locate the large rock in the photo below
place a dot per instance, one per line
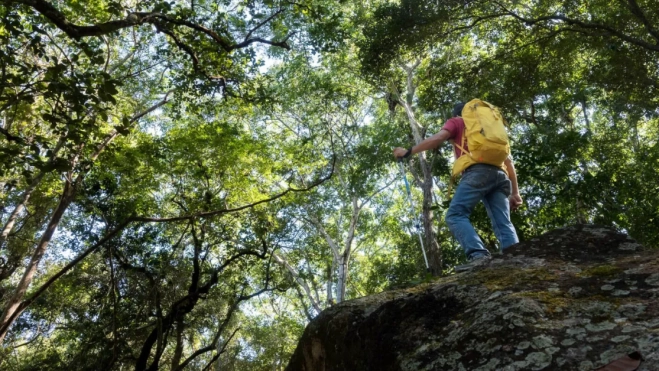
(576, 298)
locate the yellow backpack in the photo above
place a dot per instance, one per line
(486, 137)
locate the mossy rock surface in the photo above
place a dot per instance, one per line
(576, 298)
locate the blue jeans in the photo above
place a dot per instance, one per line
(490, 184)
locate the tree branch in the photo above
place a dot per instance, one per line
(336, 251)
(208, 214)
(209, 348)
(282, 44)
(584, 25)
(296, 276)
(638, 12)
(73, 31)
(215, 357)
(249, 34)
(134, 19)
(225, 322)
(25, 303)
(10, 137)
(177, 311)
(161, 103)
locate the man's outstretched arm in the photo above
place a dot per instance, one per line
(426, 144)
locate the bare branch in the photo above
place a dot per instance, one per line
(249, 34)
(224, 347)
(161, 103)
(282, 44)
(377, 191)
(209, 348)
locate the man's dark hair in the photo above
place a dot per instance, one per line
(457, 109)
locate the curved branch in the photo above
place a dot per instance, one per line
(208, 214)
(206, 349)
(74, 31)
(265, 21)
(189, 51)
(77, 32)
(584, 25)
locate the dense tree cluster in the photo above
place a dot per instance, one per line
(184, 184)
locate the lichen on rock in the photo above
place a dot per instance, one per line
(572, 299)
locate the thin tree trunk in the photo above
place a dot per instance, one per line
(347, 251)
(330, 271)
(19, 293)
(341, 280)
(9, 225)
(296, 276)
(635, 137)
(584, 108)
(217, 365)
(433, 250)
(336, 257)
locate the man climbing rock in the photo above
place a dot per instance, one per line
(480, 181)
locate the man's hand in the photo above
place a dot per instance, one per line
(399, 152)
(515, 201)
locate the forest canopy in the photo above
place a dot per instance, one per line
(185, 184)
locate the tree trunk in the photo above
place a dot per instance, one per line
(341, 279)
(434, 252)
(9, 314)
(9, 225)
(178, 351)
(431, 245)
(217, 365)
(330, 271)
(344, 260)
(296, 276)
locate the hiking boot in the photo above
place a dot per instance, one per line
(473, 263)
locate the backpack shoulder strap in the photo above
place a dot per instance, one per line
(463, 152)
(464, 139)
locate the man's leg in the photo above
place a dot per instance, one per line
(467, 195)
(498, 209)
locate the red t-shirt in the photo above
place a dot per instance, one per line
(456, 126)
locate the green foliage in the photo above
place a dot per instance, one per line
(160, 121)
